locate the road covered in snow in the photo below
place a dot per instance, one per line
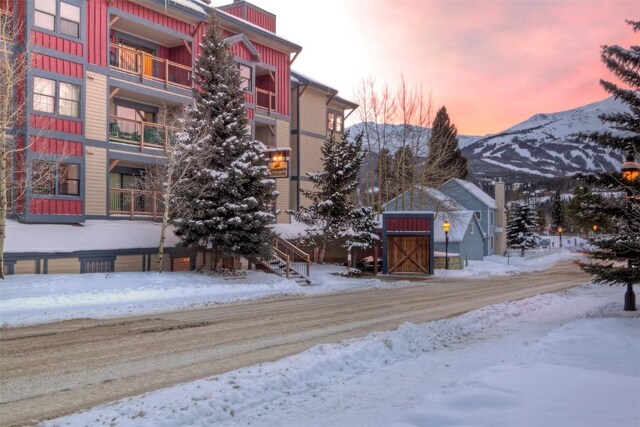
(565, 358)
(560, 359)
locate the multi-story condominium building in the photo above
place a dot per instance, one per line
(104, 77)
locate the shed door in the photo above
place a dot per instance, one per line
(408, 254)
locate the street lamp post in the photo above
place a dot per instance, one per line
(560, 233)
(630, 171)
(446, 226)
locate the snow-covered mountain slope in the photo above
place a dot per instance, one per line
(545, 145)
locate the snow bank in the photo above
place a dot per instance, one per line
(531, 362)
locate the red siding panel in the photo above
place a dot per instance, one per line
(279, 60)
(235, 11)
(240, 50)
(55, 207)
(56, 65)
(56, 43)
(249, 113)
(97, 32)
(56, 146)
(153, 16)
(54, 124)
(261, 19)
(408, 224)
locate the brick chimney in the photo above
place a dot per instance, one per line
(501, 219)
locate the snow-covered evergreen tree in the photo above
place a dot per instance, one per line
(332, 214)
(445, 159)
(557, 212)
(618, 254)
(230, 195)
(521, 227)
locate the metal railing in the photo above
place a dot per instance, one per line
(300, 260)
(147, 66)
(135, 203)
(140, 133)
(266, 99)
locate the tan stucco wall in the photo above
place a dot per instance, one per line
(128, 263)
(63, 266)
(96, 181)
(96, 107)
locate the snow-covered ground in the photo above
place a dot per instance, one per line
(31, 299)
(562, 359)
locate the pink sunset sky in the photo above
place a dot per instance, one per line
(492, 63)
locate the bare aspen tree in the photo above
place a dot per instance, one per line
(163, 179)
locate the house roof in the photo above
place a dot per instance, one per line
(433, 196)
(476, 192)
(459, 221)
(241, 38)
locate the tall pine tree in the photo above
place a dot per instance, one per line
(445, 159)
(332, 214)
(557, 212)
(230, 194)
(522, 225)
(618, 255)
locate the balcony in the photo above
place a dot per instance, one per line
(147, 66)
(140, 133)
(135, 203)
(266, 99)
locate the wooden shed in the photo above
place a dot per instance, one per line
(407, 239)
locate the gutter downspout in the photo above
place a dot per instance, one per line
(298, 146)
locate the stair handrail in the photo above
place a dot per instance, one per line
(305, 256)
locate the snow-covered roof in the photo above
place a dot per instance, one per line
(459, 222)
(92, 235)
(432, 195)
(477, 192)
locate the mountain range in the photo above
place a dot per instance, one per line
(545, 145)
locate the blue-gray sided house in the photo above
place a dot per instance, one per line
(484, 207)
(466, 237)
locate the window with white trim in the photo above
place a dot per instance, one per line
(492, 217)
(45, 92)
(61, 17)
(471, 228)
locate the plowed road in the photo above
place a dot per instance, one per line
(58, 368)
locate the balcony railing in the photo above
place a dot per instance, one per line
(144, 134)
(135, 203)
(266, 99)
(149, 67)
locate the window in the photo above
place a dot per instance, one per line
(45, 14)
(43, 180)
(478, 215)
(245, 77)
(104, 265)
(49, 179)
(44, 97)
(69, 103)
(7, 24)
(335, 121)
(69, 19)
(181, 264)
(331, 120)
(492, 218)
(69, 179)
(68, 16)
(471, 228)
